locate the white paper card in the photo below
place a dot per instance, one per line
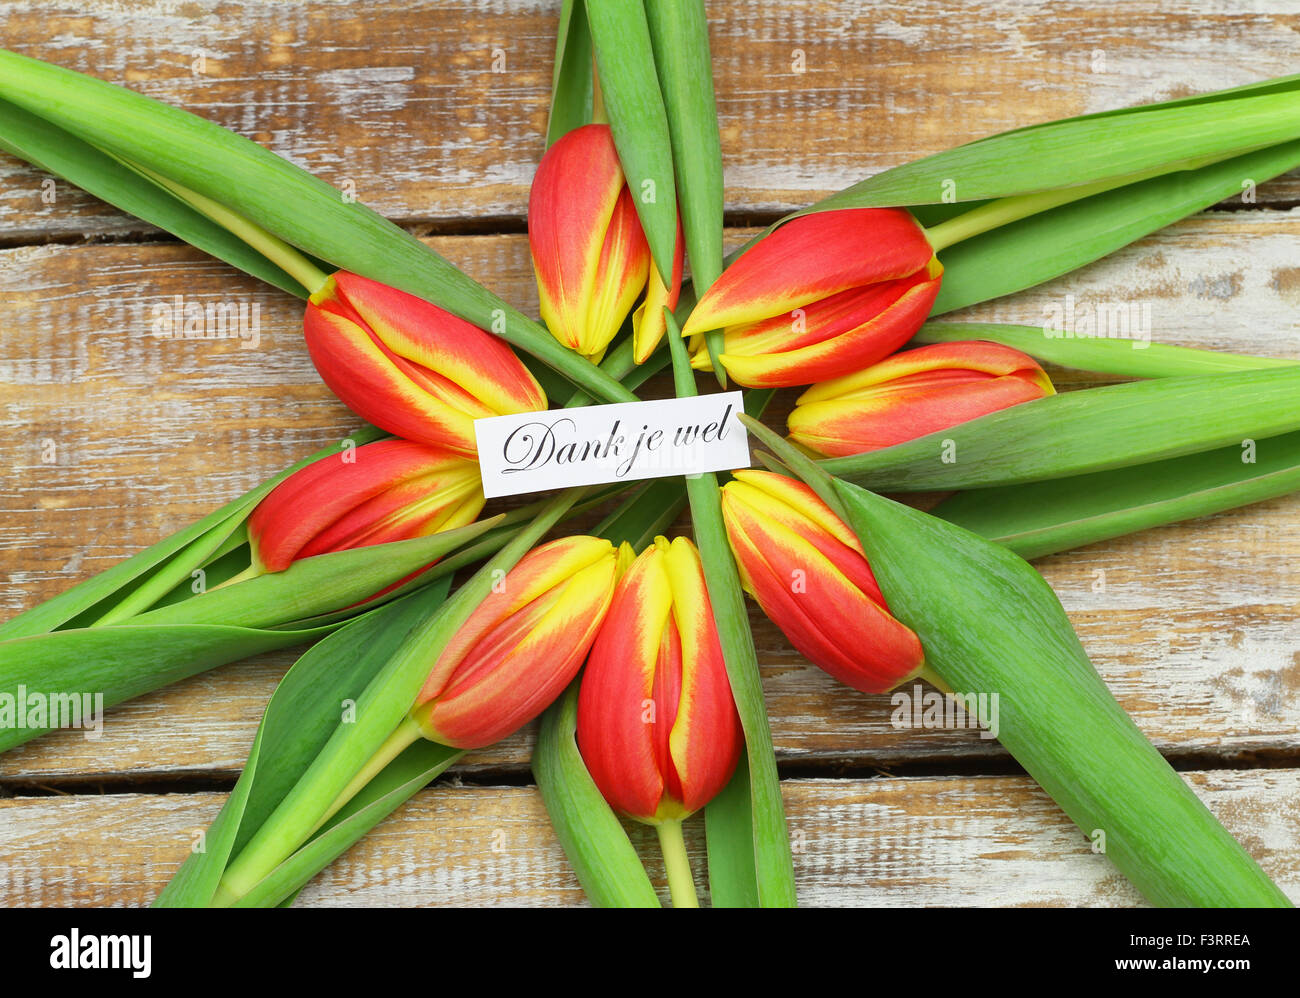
(600, 444)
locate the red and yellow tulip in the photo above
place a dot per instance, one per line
(821, 296)
(389, 490)
(589, 252)
(410, 367)
(807, 571)
(657, 725)
(914, 393)
(521, 646)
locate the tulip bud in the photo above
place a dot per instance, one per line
(914, 393)
(521, 646)
(589, 252)
(389, 490)
(821, 296)
(657, 725)
(410, 367)
(807, 571)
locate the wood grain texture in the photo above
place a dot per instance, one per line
(1194, 625)
(112, 437)
(443, 121)
(899, 842)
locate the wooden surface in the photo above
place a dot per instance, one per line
(1193, 626)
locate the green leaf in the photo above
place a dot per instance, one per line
(302, 714)
(54, 150)
(1044, 246)
(594, 840)
(572, 82)
(998, 642)
(380, 710)
(321, 584)
(646, 515)
(1077, 151)
(282, 198)
(991, 627)
(773, 863)
(679, 32)
(729, 830)
(1045, 517)
(625, 69)
(1125, 358)
(1085, 431)
(100, 592)
(127, 661)
(399, 781)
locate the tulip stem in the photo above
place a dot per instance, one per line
(275, 249)
(406, 734)
(681, 882)
(1004, 211)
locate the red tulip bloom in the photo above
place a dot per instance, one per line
(657, 725)
(521, 646)
(807, 571)
(821, 296)
(912, 394)
(389, 490)
(410, 367)
(589, 252)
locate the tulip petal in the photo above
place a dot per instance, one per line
(648, 325)
(617, 709)
(476, 362)
(826, 618)
(518, 669)
(809, 258)
(912, 394)
(902, 306)
(542, 569)
(384, 491)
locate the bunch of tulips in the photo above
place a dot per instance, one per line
(634, 646)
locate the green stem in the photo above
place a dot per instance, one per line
(164, 580)
(598, 116)
(1004, 211)
(403, 737)
(308, 802)
(681, 883)
(275, 249)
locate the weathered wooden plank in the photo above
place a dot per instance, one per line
(1193, 626)
(956, 841)
(444, 121)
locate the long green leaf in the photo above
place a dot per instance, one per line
(1125, 358)
(997, 640)
(317, 585)
(594, 840)
(729, 828)
(302, 713)
(625, 69)
(991, 627)
(1046, 245)
(282, 198)
(99, 592)
(126, 661)
(1077, 151)
(679, 32)
(1085, 431)
(771, 842)
(380, 709)
(56, 151)
(572, 81)
(1045, 517)
(397, 783)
